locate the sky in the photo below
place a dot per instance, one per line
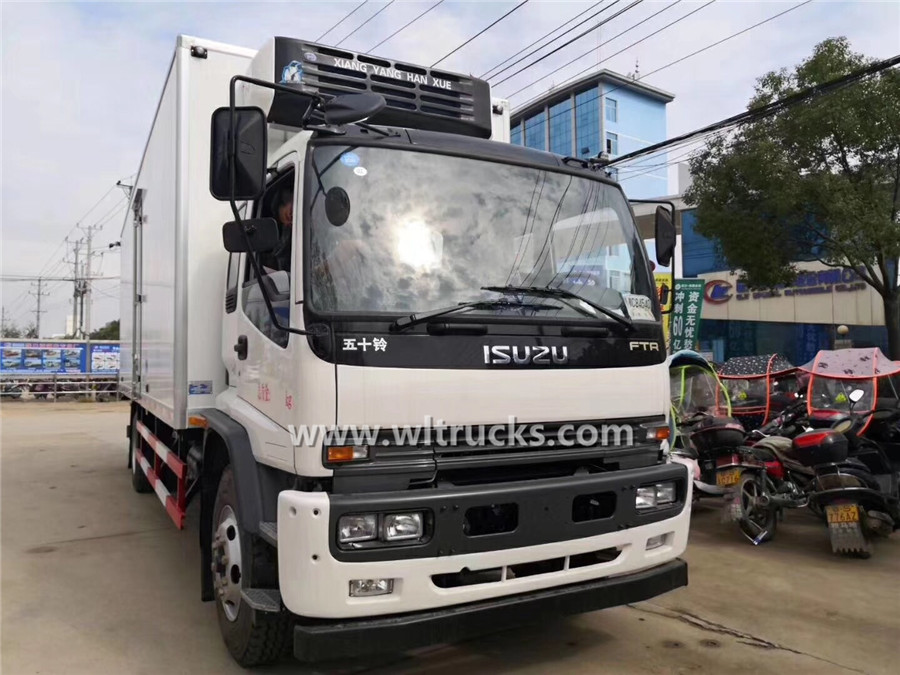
(79, 84)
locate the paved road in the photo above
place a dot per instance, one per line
(95, 579)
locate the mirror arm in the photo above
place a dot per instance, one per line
(254, 262)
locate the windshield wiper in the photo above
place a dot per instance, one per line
(413, 319)
(565, 296)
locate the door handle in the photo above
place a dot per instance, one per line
(240, 347)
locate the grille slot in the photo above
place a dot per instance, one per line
(492, 575)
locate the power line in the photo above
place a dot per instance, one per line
(574, 39)
(614, 37)
(770, 108)
(344, 39)
(480, 33)
(488, 72)
(351, 13)
(676, 61)
(405, 26)
(535, 51)
(633, 44)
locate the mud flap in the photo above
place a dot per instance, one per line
(848, 538)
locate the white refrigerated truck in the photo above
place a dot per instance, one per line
(421, 391)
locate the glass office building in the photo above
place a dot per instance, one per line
(603, 112)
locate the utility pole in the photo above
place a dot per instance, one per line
(77, 290)
(37, 312)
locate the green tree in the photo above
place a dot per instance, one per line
(820, 180)
(110, 331)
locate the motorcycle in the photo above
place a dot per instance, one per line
(698, 395)
(856, 482)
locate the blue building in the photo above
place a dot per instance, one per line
(602, 112)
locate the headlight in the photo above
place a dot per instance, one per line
(357, 528)
(400, 526)
(651, 496)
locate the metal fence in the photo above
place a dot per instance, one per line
(59, 387)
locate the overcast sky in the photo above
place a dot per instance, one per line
(80, 84)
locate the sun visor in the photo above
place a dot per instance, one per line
(417, 97)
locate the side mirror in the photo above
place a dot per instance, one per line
(349, 108)
(665, 236)
(250, 154)
(262, 232)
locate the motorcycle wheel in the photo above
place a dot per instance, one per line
(758, 522)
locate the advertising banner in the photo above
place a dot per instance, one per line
(686, 313)
(48, 358)
(664, 292)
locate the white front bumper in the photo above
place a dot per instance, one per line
(314, 584)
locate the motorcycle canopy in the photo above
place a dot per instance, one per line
(695, 387)
(835, 374)
(759, 386)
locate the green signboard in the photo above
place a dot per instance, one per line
(686, 313)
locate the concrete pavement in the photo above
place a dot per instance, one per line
(95, 578)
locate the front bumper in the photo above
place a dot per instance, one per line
(324, 640)
(314, 578)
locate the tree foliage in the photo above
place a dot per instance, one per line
(110, 331)
(819, 181)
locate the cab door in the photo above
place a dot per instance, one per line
(263, 354)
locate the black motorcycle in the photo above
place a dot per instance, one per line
(855, 483)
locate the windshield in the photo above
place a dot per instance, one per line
(403, 232)
(828, 393)
(746, 394)
(696, 390)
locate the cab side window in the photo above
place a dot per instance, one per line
(275, 266)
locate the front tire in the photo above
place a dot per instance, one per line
(253, 638)
(758, 520)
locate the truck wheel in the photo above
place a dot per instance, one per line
(253, 638)
(138, 480)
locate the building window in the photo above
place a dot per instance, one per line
(560, 120)
(515, 134)
(536, 131)
(587, 123)
(612, 143)
(612, 110)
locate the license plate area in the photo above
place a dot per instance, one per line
(842, 513)
(728, 477)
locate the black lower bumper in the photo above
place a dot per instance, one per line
(327, 640)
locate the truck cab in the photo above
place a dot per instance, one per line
(443, 400)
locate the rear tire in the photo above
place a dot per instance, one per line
(138, 480)
(253, 638)
(758, 523)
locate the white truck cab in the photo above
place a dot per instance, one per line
(421, 391)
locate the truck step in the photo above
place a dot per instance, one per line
(262, 599)
(269, 531)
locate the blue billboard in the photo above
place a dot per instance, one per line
(49, 358)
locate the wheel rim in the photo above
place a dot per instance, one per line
(750, 497)
(226, 564)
